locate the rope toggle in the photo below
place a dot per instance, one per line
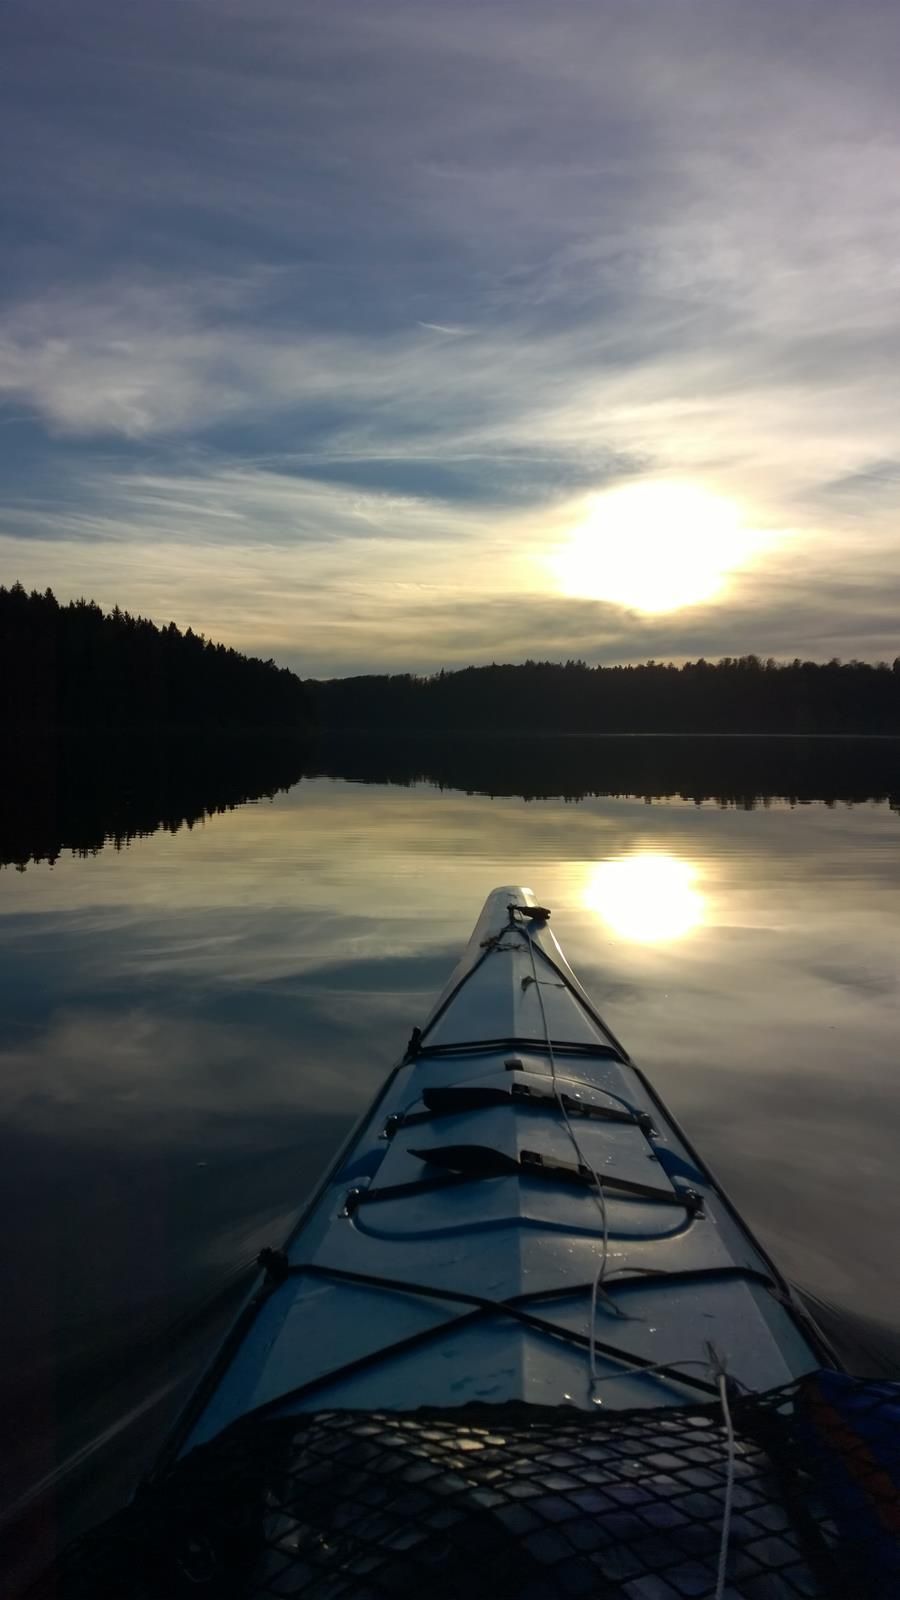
(275, 1265)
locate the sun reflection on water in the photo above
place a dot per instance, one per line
(647, 897)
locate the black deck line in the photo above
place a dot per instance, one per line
(483, 1307)
(536, 1046)
(559, 1291)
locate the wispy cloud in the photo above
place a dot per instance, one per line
(330, 579)
(421, 277)
(438, 327)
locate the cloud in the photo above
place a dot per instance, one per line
(331, 579)
(438, 327)
(658, 244)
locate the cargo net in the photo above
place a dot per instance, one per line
(521, 1502)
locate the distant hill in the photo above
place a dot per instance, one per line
(735, 695)
(76, 668)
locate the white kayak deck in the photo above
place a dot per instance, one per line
(497, 1211)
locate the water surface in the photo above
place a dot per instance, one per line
(190, 1023)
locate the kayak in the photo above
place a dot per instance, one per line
(519, 1346)
(516, 1218)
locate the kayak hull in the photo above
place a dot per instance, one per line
(452, 1252)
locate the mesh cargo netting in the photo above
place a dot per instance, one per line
(521, 1502)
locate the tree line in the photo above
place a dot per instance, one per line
(77, 667)
(741, 694)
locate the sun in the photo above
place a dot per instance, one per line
(648, 897)
(653, 547)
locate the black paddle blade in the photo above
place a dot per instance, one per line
(475, 1160)
(467, 1097)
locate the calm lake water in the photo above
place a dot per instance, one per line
(189, 1025)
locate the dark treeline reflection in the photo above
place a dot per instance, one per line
(735, 695)
(68, 793)
(742, 771)
(79, 794)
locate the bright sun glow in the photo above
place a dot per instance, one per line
(646, 897)
(653, 547)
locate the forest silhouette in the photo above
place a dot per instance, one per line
(76, 667)
(113, 728)
(735, 695)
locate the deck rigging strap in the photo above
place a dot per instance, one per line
(481, 1161)
(563, 1048)
(497, 1165)
(278, 1268)
(514, 1307)
(444, 1100)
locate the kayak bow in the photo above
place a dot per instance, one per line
(516, 1234)
(517, 1218)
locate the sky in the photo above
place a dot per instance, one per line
(398, 334)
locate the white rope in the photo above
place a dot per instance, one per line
(713, 1361)
(729, 1486)
(597, 1191)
